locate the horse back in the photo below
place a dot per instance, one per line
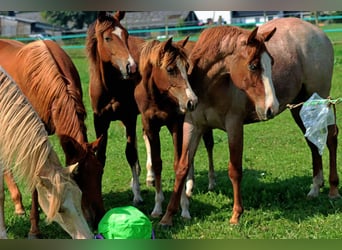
(65, 65)
(303, 60)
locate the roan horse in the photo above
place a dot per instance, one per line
(303, 64)
(231, 75)
(25, 149)
(113, 70)
(49, 79)
(163, 96)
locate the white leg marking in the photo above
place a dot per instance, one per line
(158, 210)
(317, 182)
(136, 185)
(149, 170)
(185, 206)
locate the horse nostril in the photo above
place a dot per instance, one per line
(191, 106)
(269, 113)
(130, 68)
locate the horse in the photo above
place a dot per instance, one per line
(26, 151)
(303, 64)
(112, 56)
(163, 96)
(49, 79)
(231, 75)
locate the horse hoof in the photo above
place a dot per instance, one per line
(20, 212)
(334, 196)
(138, 203)
(165, 226)
(155, 215)
(150, 183)
(34, 236)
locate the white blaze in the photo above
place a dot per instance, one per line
(271, 100)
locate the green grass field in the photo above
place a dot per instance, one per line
(277, 176)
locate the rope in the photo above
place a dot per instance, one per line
(316, 102)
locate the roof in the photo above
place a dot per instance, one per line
(157, 19)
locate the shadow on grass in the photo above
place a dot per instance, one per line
(287, 197)
(118, 199)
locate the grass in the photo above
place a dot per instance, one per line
(277, 176)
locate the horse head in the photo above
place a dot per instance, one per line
(165, 64)
(242, 55)
(88, 177)
(251, 71)
(112, 43)
(60, 199)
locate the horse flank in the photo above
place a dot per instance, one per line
(25, 147)
(68, 105)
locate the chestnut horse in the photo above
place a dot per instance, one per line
(49, 79)
(25, 149)
(113, 70)
(303, 64)
(163, 96)
(231, 75)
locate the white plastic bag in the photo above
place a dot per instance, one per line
(317, 115)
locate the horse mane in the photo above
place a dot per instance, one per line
(24, 146)
(152, 52)
(42, 69)
(217, 40)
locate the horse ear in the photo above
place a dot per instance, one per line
(72, 169)
(95, 144)
(44, 181)
(252, 36)
(267, 35)
(168, 43)
(119, 15)
(183, 42)
(71, 148)
(101, 15)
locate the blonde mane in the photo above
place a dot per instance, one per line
(24, 144)
(153, 53)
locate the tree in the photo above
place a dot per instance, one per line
(70, 19)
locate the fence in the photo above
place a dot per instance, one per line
(77, 41)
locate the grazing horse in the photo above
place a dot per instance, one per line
(303, 64)
(113, 70)
(163, 96)
(49, 79)
(25, 149)
(231, 75)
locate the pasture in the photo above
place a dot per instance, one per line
(276, 178)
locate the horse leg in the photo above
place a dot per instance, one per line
(317, 166)
(15, 193)
(3, 234)
(149, 170)
(333, 175)
(209, 145)
(34, 232)
(235, 141)
(132, 158)
(101, 125)
(181, 172)
(208, 139)
(154, 141)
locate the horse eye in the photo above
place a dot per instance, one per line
(170, 70)
(252, 67)
(107, 39)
